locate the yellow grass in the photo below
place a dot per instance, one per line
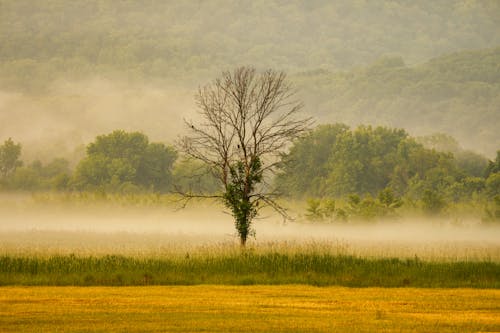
(247, 309)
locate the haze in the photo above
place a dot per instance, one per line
(29, 226)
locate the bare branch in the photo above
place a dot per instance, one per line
(248, 120)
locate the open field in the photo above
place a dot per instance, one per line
(247, 309)
(249, 267)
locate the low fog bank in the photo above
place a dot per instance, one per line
(208, 219)
(158, 230)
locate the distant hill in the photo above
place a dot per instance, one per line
(79, 68)
(458, 94)
(183, 41)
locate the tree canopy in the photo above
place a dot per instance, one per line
(9, 157)
(336, 161)
(122, 161)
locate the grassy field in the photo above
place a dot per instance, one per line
(233, 266)
(247, 309)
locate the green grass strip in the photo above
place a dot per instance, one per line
(246, 268)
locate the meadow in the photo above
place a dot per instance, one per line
(291, 308)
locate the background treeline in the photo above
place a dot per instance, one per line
(182, 40)
(342, 173)
(119, 162)
(375, 171)
(335, 160)
(458, 94)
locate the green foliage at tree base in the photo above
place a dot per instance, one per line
(238, 195)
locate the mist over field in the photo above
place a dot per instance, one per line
(42, 228)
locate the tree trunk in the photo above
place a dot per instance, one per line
(243, 230)
(243, 241)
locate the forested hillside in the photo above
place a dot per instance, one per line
(458, 94)
(76, 69)
(186, 40)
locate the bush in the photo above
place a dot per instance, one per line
(432, 202)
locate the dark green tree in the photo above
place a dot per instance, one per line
(304, 169)
(433, 202)
(363, 160)
(122, 160)
(469, 162)
(493, 211)
(493, 185)
(493, 166)
(9, 157)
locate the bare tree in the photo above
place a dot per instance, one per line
(248, 119)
